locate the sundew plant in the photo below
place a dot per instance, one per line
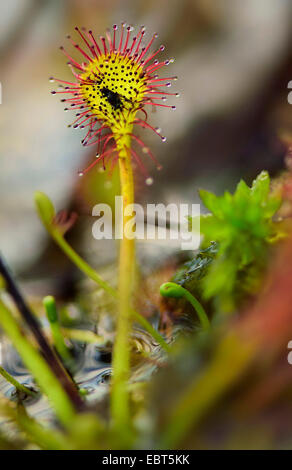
(118, 79)
(203, 327)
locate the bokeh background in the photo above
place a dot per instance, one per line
(233, 60)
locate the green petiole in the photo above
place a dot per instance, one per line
(19, 387)
(46, 213)
(46, 379)
(170, 289)
(52, 315)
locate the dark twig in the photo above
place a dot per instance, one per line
(33, 324)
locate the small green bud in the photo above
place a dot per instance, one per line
(45, 208)
(170, 289)
(51, 310)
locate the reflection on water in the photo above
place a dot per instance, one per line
(92, 372)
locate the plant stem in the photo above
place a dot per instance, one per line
(48, 353)
(44, 376)
(84, 336)
(151, 330)
(48, 439)
(52, 315)
(21, 388)
(229, 363)
(171, 289)
(80, 263)
(92, 274)
(199, 309)
(121, 352)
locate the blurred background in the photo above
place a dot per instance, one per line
(233, 60)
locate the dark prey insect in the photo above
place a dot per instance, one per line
(112, 97)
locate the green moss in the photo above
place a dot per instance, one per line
(242, 226)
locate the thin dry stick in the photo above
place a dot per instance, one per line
(47, 351)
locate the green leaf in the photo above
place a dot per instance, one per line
(243, 227)
(211, 202)
(261, 186)
(271, 206)
(45, 208)
(242, 192)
